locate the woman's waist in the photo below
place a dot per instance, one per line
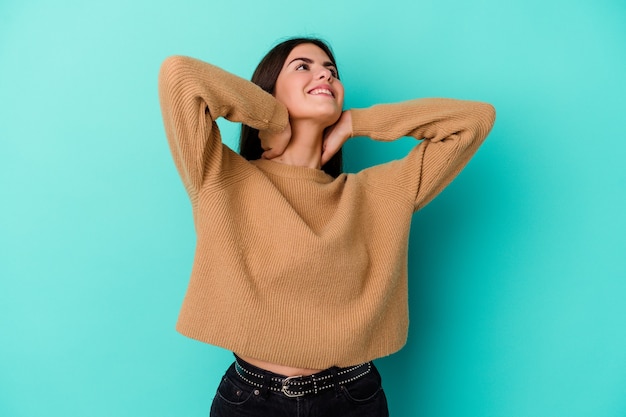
(277, 368)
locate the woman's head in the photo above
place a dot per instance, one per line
(309, 87)
(266, 76)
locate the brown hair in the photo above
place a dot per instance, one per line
(265, 76)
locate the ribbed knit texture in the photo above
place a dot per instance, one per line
(293, 266)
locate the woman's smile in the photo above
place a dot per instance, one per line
(324, 90)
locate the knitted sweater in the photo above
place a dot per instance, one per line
(293, 266)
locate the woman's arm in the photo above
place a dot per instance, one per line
(452, 131)
(193, 94)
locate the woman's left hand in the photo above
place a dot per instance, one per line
(336, 135)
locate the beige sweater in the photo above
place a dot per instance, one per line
(293, 266)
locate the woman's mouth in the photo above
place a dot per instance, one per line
(321, 91)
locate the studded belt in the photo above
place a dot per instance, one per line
(298, 386)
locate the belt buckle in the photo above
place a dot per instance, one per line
(285, 388)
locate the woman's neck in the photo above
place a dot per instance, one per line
(305, 146)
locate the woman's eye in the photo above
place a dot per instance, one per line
(333, 72)
(302, 67)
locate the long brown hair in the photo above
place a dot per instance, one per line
(265, 76)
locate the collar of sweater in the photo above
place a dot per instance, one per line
(292, 171)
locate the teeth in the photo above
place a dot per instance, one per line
(321, 91)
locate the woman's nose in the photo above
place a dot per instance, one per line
(325, 73)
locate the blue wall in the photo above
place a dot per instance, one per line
(518, 277)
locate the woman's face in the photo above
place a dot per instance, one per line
(308, 86)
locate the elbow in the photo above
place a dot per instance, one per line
(485, 118)
(174, 77)
(165, 72)
(173, 61)
(487, 113)
(177, 67)
(171, 66)
(490, 110)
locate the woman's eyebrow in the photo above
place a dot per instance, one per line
(310, 61)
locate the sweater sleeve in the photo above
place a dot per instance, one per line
(452, 131)
(193, 95)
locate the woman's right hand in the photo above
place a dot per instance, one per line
(275, 143)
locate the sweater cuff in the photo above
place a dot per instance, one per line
(361, 123)
(279, 118)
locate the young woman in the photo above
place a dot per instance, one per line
(301, 270)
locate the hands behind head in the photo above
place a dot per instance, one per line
(275, 143)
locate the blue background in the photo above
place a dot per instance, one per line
(518, 277)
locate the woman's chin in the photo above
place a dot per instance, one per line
(325, 115)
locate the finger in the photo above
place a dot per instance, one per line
(272, 153)
(324, 160)
(268, 154)
(327, 153)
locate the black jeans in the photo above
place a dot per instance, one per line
(361, 398)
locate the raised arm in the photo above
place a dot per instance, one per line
(452, 131)
(193, 95)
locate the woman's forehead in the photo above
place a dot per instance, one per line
(308, 50)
